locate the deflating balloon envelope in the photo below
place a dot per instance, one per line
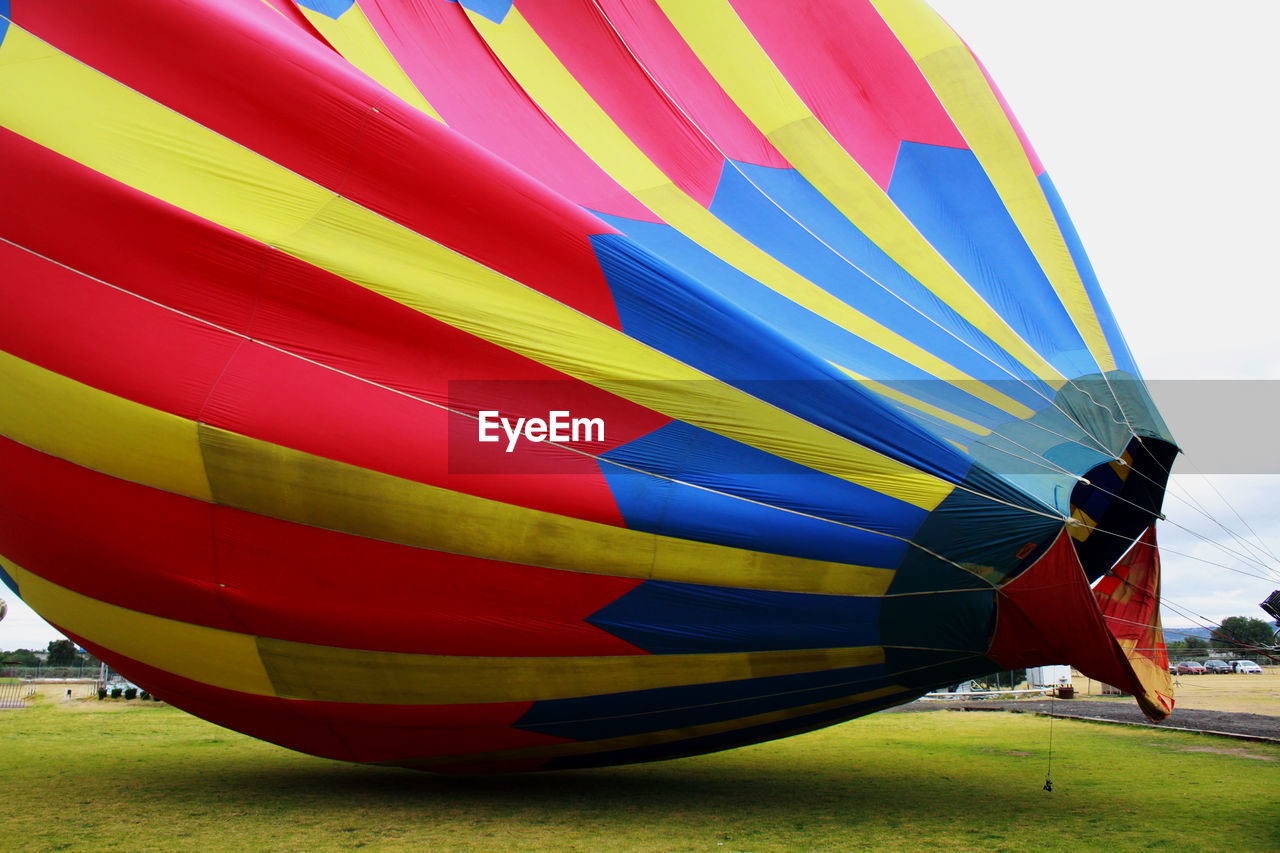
(487, 386)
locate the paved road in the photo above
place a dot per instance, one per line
(1244, 725)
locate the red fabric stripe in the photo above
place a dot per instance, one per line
(109, 539)
(438, 48)
(111, 231)
(301, 583)
(853, 73)
(1048, 615)
(588, 47)
(659, 48)
(1129, 597)
(402, 744)
(76, 327)
(289, 10)
(245, 72)
(155, 552)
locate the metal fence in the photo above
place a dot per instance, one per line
(33, 673)
(13, 694)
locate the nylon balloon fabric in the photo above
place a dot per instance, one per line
(486, 386)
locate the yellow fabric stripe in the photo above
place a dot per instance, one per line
(282, 483)
(1084, 528)
(115, 436)
(1123, 465)
(90, 118)
(1156, 697)
(558, 94)
(541, 74)
(208, 655)
(329, 674)
(95, 121)
(64, 418)
(962, 88)
(355, 38)
(275, 9)
(747, 74)
(893, 394)
(889, 695)
(1122, 469)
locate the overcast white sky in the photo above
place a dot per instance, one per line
(1156, 121)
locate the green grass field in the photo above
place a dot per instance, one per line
(86, 775)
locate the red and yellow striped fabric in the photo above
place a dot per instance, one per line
(482, 385)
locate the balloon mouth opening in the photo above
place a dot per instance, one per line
(1121, 559)
(1116, 501)
(1093, 598)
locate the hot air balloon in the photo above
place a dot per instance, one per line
(486, 386)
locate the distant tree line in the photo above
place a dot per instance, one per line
(1242, 631)
(59, 654)
(1234, 637)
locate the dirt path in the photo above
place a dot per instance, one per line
(1224, 722)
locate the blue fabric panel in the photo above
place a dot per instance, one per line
(329, 8)
(1105, 485)
(781, 212)
(680, 316)
(640, 711)
(939, 427)
(927, 669)
(821, 337)
(7, 580)
(949, 198)
(1038, 478)
(1075, 458)
(731, 739)
(671, 509)
(665, 618)
(4, 19)
(1096, 504)
(970, 530)
(1110, 328)
(494, 10)
(703, 460)
(945, 624)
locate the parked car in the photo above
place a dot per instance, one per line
(1173, 668)
(1246, 666)
(1190, 667)
(1217, 667)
